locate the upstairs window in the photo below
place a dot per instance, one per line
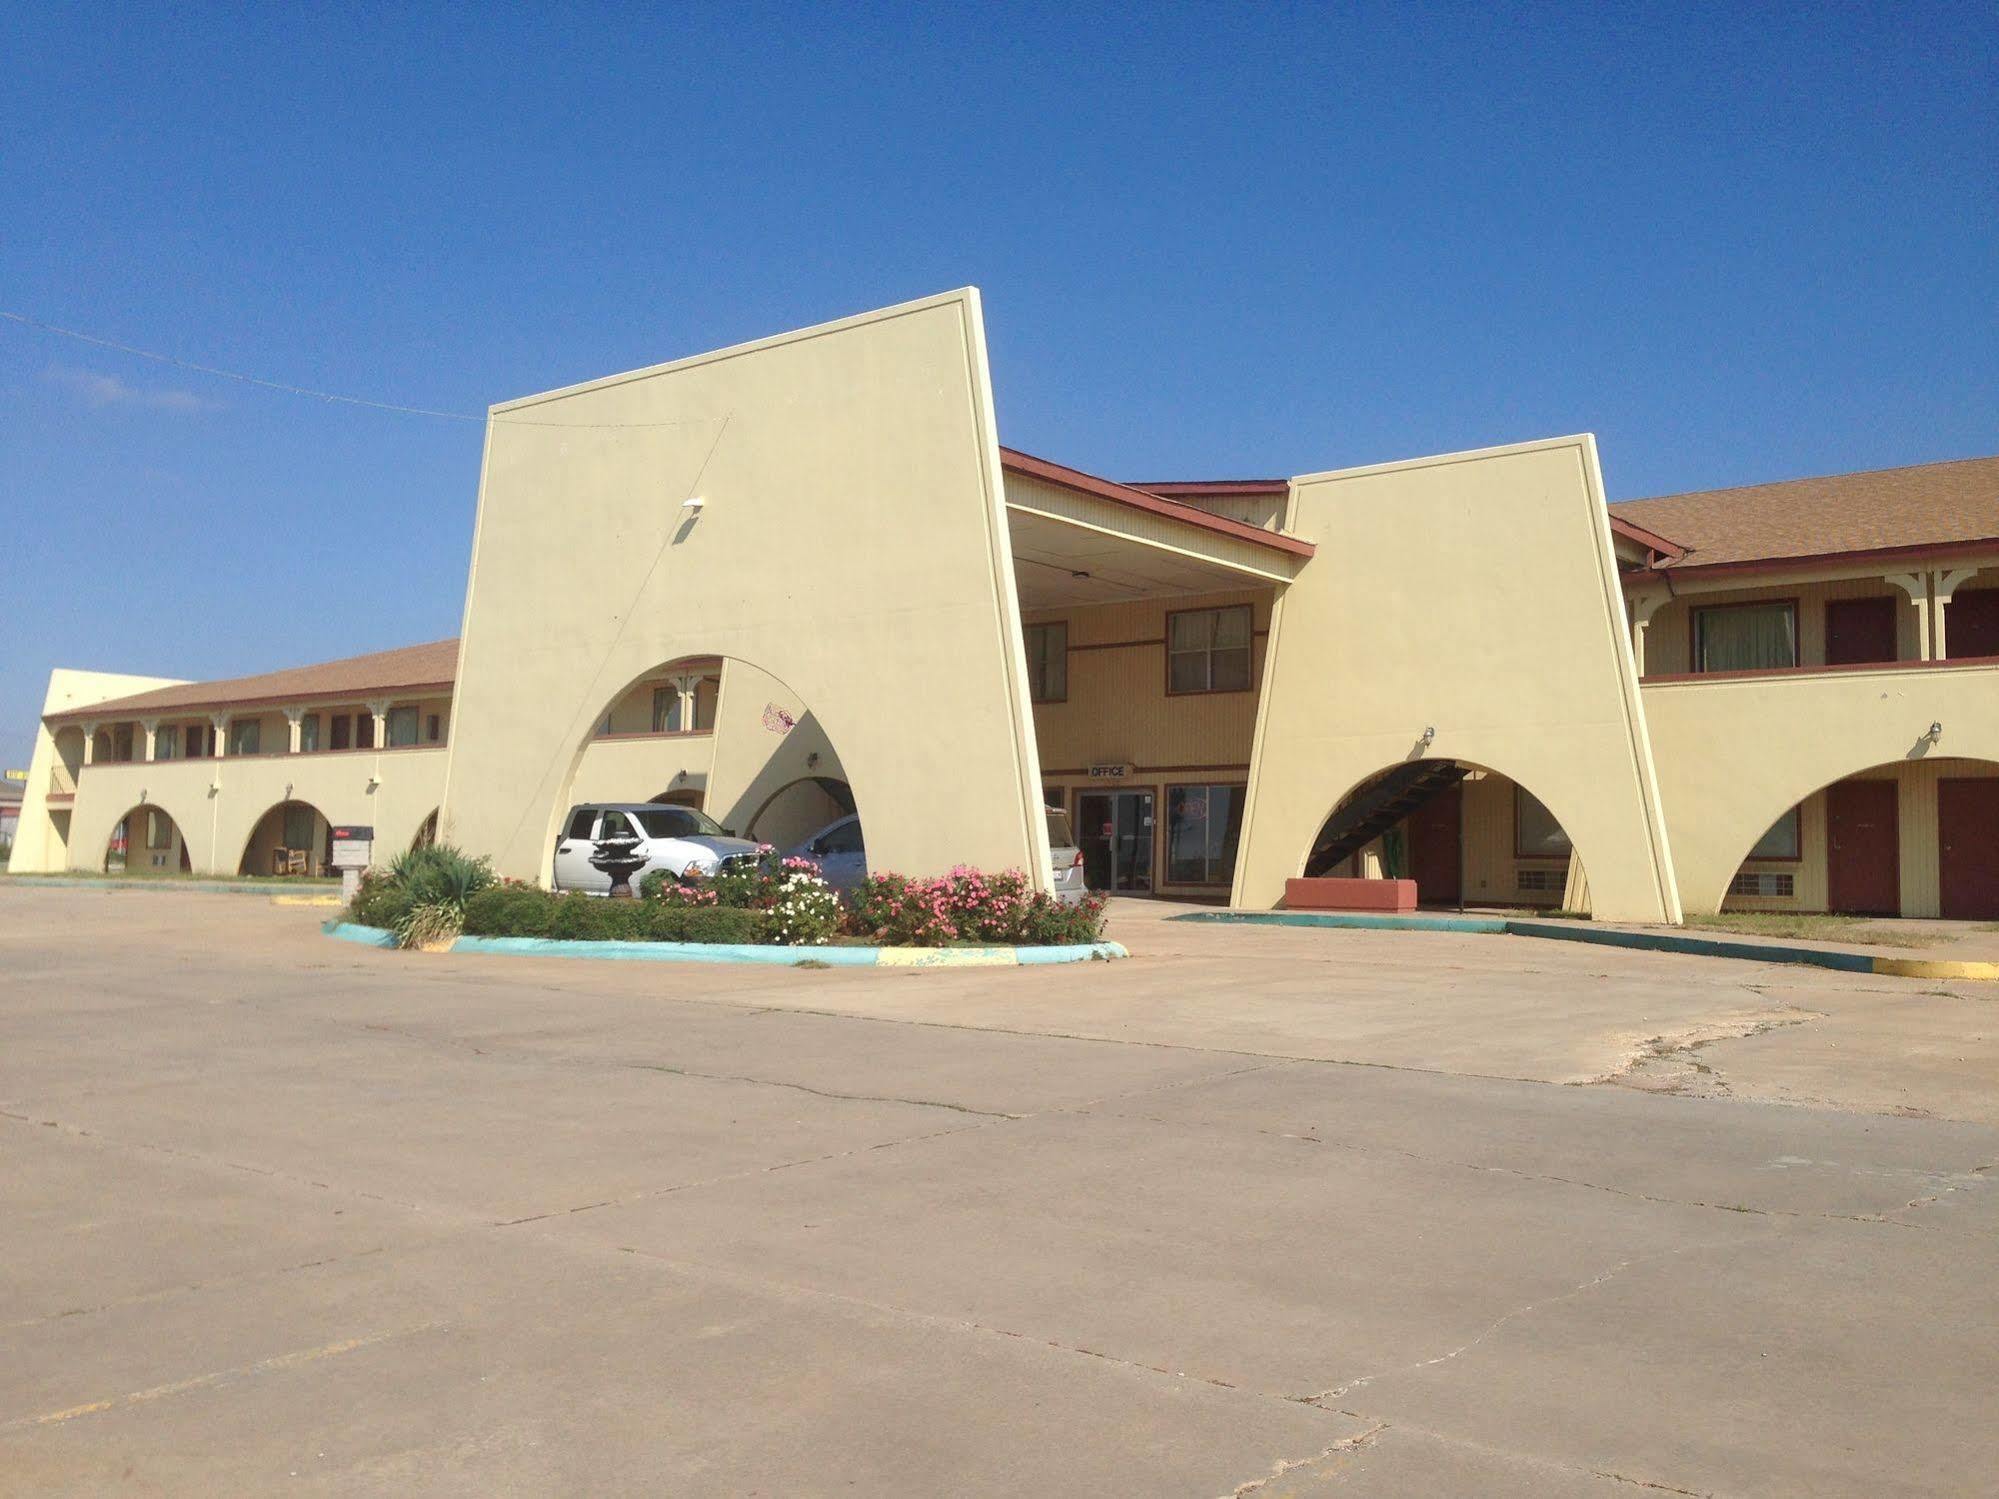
(1207, 650)
(246, 736)
(1048, 662)
(166, 743)
(402, 727)
(308, 733)
(343, 731)
(1746, 637)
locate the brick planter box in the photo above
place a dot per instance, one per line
(1326, 894)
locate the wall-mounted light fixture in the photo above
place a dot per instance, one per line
(1936, 731)
(1430, 734)
(693, 502)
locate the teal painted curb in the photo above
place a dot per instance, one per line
(1700, 947)
(1557, 931)
(366, 936)
(736, 952)
(154, 882)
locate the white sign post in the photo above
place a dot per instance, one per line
(353, 852)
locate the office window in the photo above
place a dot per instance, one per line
(402, 727)
(1746, 637)
(1536, 834)
(246, 736)
(308, 733)
(1203, 826)
(666, 710)
(1048, 662)
(1781, 842)
(1207, 650)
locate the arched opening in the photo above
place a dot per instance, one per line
(1913, 837)
(292, 838)
(1466, 834)
(795, 811)
(146, 841)
(426, 832)
(744, 749)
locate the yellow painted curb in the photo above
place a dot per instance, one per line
(946, 957)
(1938, 968)
(305, 900)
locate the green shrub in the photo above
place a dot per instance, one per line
(969, 907)
(380, 902)
(522, 911)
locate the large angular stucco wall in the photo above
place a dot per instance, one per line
(1474, 593)
(852, 545)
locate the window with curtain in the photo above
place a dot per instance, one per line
(402, 727)
(1207, 650)
(308, 733)
(1048, 662)
(1781, 842)
(246, 736)
(1203, 826)
(166, 743)
(1746, 637)
(1536, 834)
(666, 710)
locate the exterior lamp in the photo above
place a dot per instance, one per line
(1936, 731)
(1430, 734)
(693, 502)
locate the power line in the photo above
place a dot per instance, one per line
(209, 369)
(327, 395)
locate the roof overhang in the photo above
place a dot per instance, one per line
(1078, 539)
(1815, 562)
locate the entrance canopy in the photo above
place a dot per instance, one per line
(1078, 540)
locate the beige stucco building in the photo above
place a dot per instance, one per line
(802, 577)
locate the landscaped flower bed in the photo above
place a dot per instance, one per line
(429, 896)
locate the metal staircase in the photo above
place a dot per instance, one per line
(1376, 808)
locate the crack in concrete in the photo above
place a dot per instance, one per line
(766, 1082)
(1355, 1148)
(1580, 1289)
(1284, 1465)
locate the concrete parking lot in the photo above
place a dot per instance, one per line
(1261, 1211)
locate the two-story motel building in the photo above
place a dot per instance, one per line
(802, 577)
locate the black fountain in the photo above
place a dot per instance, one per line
(619, 857)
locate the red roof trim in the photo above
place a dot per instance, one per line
(1137, 499)
(1652, 541)
(1812, 560)
(1217, 487)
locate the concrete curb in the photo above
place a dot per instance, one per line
(156, 882)
(735, 952)
(1671, 942)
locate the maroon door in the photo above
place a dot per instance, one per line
(1863, 849)
(1968, 846)
(1434, 830)
(1858, 630)
(1971, 623)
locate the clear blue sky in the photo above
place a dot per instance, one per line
(1736, 243)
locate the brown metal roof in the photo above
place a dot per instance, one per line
(413, 666)
(1930, 506)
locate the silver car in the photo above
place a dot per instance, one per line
(841, 854)
(677, 839)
